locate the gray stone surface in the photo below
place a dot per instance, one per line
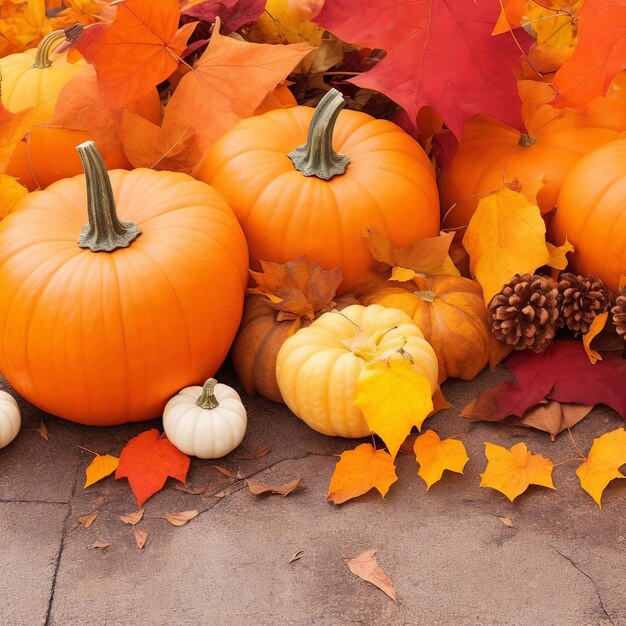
(451, 559)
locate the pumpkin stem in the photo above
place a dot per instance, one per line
(207, 399)
(317, 157)
(526, 139)
(45, 48)
(104, 232)
(427, 296)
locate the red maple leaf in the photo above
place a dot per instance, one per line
(439, 53)
(232, 13)
(147, 460)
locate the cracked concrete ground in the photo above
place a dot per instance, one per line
(450, 558)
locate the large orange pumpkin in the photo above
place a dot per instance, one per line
(105, 330)
(591, 213)
(294, 195)
(491, 154)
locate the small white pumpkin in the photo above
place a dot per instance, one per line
(10, 419)
(207, 422)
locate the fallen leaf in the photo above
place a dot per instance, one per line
(88, 520)
(558, 260)
(101, 466)
(393, 398)
(233, 14)
(42, 430)
(247, 455)
(506, 521)
(552, 417)
(141, 536)
(227, 472)
(366, 567)
(296, 556)
(100, 546)
(435, 456)
(595, 328)
(194, 491)
(607, 455)
(283, 490)
(132, 518)
(180, 518)
(10, 192)
(512, 471)
(147, 460)
(360, 470)
(13, 127)
(505, 236)
(219, 494)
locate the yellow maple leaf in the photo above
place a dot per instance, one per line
(10, 192)
(393, 398)
(607, 454)
(281, 24)
(506, 236)
(360, 470)
(595, 328)
(435, 456)
(558, 260)
(100, 467)
(512, 471)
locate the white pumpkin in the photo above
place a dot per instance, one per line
(10, 419)
(207, 422)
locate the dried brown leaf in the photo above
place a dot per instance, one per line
(283, 490)
(247, 455)
(219, 494)
(141, 536)
(99, 545)
(296, 556)
(552, 417)
(229, 473)
(88, 520)
(194, 491)
(180, 518)
(43, 431)
(365, 567)
(506, 521)
(132, 518)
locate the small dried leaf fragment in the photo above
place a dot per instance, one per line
(607, 455)
(194, 491)
(141, 536)
(435, 456)
(102, 466)
(247, 455)
(506, 521)
(296, 556)
(88, 520)
(180, 518)
(512, 471)
(132, 518)
(99, 545)
(595, 329)
(366, 567)
(260, 488)
(43, 431)
(224, 470)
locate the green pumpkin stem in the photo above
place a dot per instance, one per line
(104, 232)
(207, 399)
(45, 48)
(526, 139)
(317, 157)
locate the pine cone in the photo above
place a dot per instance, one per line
(582, 299)
(525, 313)
(619, 313)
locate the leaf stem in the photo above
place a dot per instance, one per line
(87, 450)
(569, 432)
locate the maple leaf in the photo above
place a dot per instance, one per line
(562, 372)
(506, 236)
(233, 13)
(435, 456)
(138, 50)
(439, 53)
(595, 328)
(101, 466)
(558, 260)
(607, 455)
(13, 127)
(360, 470)
(366, 567)
(513, 471)
(552, 417)
(230, 80)
(599, 54)
(147, 460)
(10, 192)
(393, 398)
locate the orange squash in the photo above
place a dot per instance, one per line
(105, 329)
(591, 213)
(294, 195)
(451, 313)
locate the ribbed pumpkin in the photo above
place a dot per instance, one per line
(106, 328)
(318, 367)
(451, 312)
(491, 154)
(591, 213)
(294, 195)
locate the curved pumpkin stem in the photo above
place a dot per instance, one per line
(45, 48)
(104, 232)
(317, 157)
(207, 400)
(526, 139)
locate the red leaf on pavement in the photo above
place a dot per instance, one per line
(233, 13)
(147, 460)
(563, 373)
(439, 53)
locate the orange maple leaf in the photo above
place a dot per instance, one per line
(13, 126)
(147, 460)
(137, 51)
(435, 456)
(360, 470)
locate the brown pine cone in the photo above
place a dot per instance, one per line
(582, 299)
(619, 313)
(525, 313)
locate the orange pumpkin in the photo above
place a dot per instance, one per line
(451, 313)
(293, 199)
(591, 213)
(491, 154)
(105, 330)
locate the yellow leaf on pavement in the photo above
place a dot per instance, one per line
(512, 471)
(607, 454)
(436, 456)
(558, 260)
(595, 328)
(10, 192)
(506, 236)
(393, 398)
(360, 470)
(100, 467)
